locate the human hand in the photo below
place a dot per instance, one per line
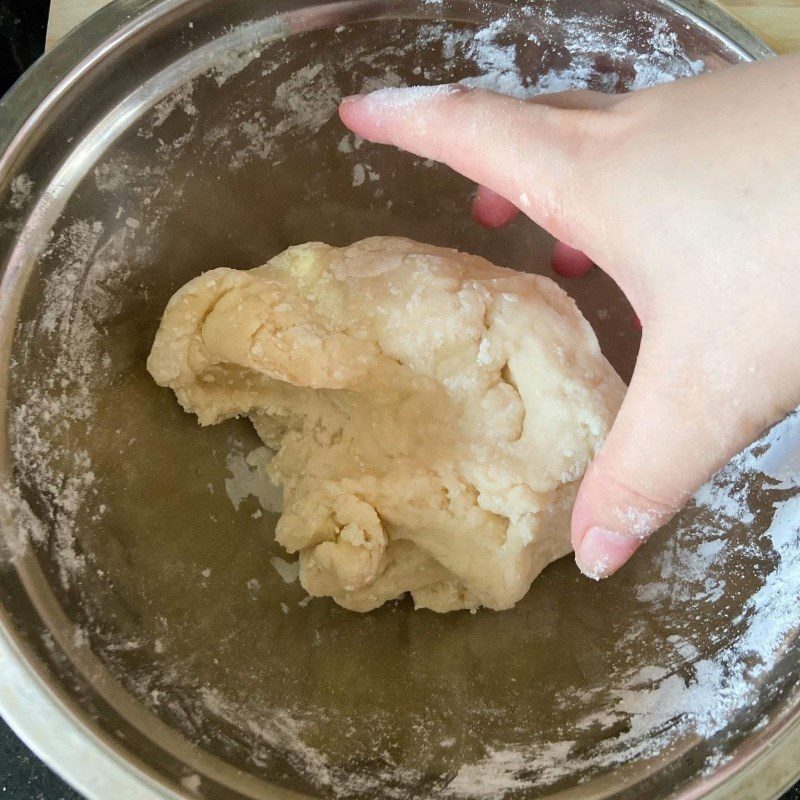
(688, 196)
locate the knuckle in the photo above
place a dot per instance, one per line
(593, 142)
(639, 509)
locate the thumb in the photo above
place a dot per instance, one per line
(523, 152)
(673, 431)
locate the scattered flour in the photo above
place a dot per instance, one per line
(359, 175)
(508, 770)
(20, 525)
(721, 498)
(233, 63)
(191, 783)
(288, 570)
(495, 53)
(179, 99)
(55, 409)
(363, 171)
(780, 461)
(21, 191)
(247, 479)
(309, 98)
(388, 79)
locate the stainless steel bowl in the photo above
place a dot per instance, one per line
(148, 647)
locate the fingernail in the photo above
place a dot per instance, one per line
(602, 552)
(351, 98)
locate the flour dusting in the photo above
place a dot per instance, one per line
(406, 98)
(288, 570)
(21, 191)
(657, 705)
(496, 56)
(248, 478)
(309, 98)
(56, 408)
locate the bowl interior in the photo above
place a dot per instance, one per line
(152, 584)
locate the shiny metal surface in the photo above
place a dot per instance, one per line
(147, 647)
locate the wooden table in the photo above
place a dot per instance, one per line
(776, 21)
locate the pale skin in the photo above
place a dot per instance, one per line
(688, 196)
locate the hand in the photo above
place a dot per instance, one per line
(688, 196)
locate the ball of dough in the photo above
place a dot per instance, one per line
(430, 414)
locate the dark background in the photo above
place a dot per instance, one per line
(23, 24)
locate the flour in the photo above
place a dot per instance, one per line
(682, 568)
(309, 98)
(496, 58)
(359, 175)
(20, 524)
(57, 408)
(721, 498)
(246, 479)
(288, 570)
(390, 97)
(180, 98)
(504, 771)
(259, 142)
(305, 101)
(282, 730)
(113, 175)
(21, 190)
(780, 460)
(774, 609)
(389, 79)
(660, 706)
(666, 62)
(233, 63)
(191, 783)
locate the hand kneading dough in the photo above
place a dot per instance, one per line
(431, 413)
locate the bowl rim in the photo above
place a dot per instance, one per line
(52, 726)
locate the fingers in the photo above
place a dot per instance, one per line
(568, 262)
(491, 210)
(525, 152)
(673, 432)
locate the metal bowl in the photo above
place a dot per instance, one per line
(149, 647)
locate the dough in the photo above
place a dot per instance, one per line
(430, 414)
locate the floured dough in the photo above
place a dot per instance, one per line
(430, 413)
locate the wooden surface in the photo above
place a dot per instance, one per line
(777, 21)
(66, 14)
